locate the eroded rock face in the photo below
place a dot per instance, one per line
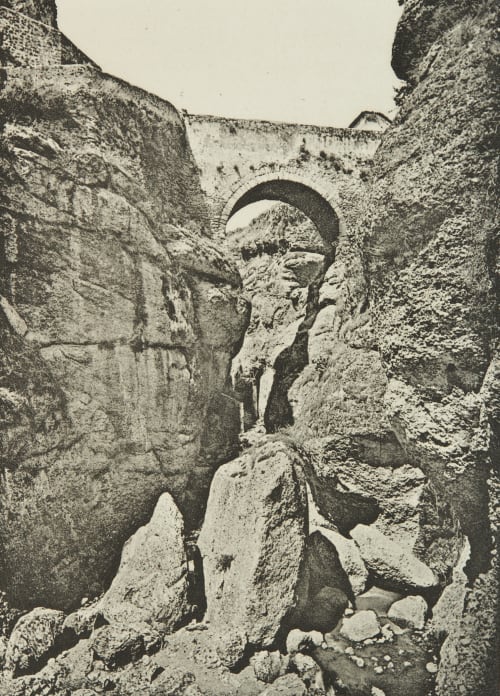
(430, 255)
(119, 319)
(282, 258)
(253, 540)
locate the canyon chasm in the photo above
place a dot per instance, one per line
(259, 461)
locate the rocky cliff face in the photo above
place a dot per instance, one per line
(352, 549)
(282, 260)
(430, 257)
(119, 321)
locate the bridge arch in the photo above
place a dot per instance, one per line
(310, 197)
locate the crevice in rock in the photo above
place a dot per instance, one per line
(290, 363)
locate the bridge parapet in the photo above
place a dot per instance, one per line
(235, 156)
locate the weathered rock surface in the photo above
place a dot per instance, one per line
(289, 685)
(393, 565)
(281, 258)
(42, 10)
(308, 670)
(151, 583)
(409, 612)
(33, 640)
(269, 666)
(360, 626)
(350, 559)
(117, 645)
(119, 319)
(430, 255)
(297, 640)
(253, 541)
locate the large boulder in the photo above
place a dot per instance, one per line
(151, 583)
(253, 541)
(33, 640)
(392, 565)
(350, 559)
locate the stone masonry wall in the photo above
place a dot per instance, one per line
(25, 42)
(235, 155)
(44, 11)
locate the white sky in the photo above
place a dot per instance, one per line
(303, 61)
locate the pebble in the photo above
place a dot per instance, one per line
(407, 664)
(379, 670)
(349, 651)
(387, 658)
(431, 667)
(358, 661)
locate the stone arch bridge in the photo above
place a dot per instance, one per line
(244, 161)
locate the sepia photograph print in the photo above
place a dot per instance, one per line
(249, 373)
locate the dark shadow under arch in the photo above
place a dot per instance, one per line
(306, 199)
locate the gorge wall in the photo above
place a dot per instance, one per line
(431, 255)
(119, 318)
(349, 544)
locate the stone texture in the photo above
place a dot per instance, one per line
(321, 569)
(322, 612)
(281, 258)
(350, 559)
(117, 645)
(269, 666)
(83, 621)
(360, 626)
(33, 639)
(288, 685)
(431, 259)
(151, 583)
(253, 541)
(410, 612)
(447, 611)
(308, 670)
(391, 564)
(123, 345)
(42, 10)
(298, 640)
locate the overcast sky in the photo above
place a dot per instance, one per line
(305, 61)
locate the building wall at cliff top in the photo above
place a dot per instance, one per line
(119, 318)
(430, 254)
(29, 43)
(44, 11)
(26, 42)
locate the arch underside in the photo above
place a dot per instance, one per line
(306, 199)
